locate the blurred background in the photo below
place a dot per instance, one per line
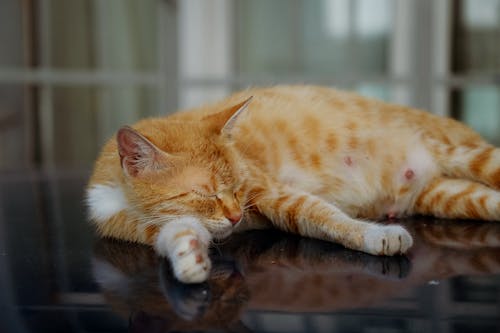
(72, 72)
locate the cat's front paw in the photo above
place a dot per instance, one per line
(387, 240)
(190, 262)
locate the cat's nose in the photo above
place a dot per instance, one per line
(234, 217)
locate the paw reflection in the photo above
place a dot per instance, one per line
(272, 271)
(189, 301)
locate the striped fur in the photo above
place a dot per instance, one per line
(459, 198)
(314, 161)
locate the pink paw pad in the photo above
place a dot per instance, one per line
(194, 243)
(199, 258)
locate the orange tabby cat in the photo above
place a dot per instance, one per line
(312, 160)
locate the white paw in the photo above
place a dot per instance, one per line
(190, 261)
(387, 240)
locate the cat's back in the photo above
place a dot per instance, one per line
(310, 108)
(296, 118)
(309, 116)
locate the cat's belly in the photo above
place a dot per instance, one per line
(364, 186)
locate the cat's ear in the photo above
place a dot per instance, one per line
(138, 155)
(224, 121)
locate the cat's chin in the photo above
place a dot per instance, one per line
(219, 229)
(221, 234)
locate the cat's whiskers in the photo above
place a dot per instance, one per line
(158, 220)
(219, 242)
(249, 206)
(252, 200)
(255, 196)
(216, 245)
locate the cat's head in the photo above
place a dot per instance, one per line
(185, 168)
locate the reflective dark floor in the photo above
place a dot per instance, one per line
(56, 276)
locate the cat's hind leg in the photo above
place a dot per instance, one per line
(476, 161)
(307, 215)
(459, 198)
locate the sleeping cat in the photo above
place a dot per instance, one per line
(311, 160)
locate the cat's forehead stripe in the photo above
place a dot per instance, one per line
(197, 178)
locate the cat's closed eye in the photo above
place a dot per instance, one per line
(204, 194)
(206, 206)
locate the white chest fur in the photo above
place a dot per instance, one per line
(104, 201)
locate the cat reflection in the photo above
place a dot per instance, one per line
(140, 286)
(275, 271)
